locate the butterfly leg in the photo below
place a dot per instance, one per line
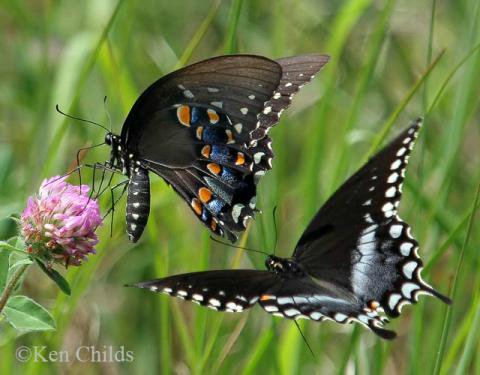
(115, 201)
(79, 152)
(90, 196)
(112, 197)
(107, 185)
(102, 179)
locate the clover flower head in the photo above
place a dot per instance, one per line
(59, 223)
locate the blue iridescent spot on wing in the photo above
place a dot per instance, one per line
(215, 206)
(228, 176)
(213, 135)
(195, 115)
(205, 215)
(220, 154)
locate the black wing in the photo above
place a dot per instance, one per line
(296, 72)
(224, 290)
(358, 243)
(320, 300)
(203, 129)
(291, 298)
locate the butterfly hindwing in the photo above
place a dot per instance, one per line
(319, 300)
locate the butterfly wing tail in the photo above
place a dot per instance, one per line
(381, 332)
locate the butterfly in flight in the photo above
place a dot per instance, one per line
(356, 261)
(203, 129)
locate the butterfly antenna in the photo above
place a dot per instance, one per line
(108, 113)
(80, 119)
(305, 339)
(275, 226)
(65, 175)
(238, 247)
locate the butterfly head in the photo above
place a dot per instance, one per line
(117, 157)
(112, 139)
(283, 267)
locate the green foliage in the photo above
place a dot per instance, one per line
(391, 62)
(56, 277)
(3, 267)
(25, 314)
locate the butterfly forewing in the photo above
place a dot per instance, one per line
(225, 290)
(227, 84)
(296, 72)
(358, 242)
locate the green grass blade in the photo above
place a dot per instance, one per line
(471, 342)
(377, 141)
(258, 350)
(445, 83)
(86, 71)
(230, 44)
(184, 335)
(350, 349)
(448, 314)
(289, 349)
(230, 342)
(212, 338)
(199, 35)
(343, 24)
(364, 81)
(454, 237)
(455, 350)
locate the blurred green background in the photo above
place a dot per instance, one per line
(75, 52)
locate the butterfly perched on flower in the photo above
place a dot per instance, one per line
(356, 261)
(203, 129)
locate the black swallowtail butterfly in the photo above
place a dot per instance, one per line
(203, 129)
(356, 261)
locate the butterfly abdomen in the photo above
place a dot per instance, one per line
(138, 203)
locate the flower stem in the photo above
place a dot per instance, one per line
(11, 285)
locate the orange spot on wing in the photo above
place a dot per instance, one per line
(204, 194)
(213, 224)
(214, 168)
(213, 116)
(206, 151)
(199, 132)
(240, 158)
(373, 305)
(197, 206)
(230, 138)
(183, 115)
(266, 297)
